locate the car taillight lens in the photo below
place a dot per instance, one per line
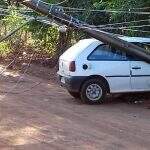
(72, 66)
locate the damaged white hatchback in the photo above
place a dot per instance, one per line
(90, 69)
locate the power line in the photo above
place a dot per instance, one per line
(101, 25)
(49, 23)
(128, 30)
(136, 30)
(46, 21)
(61, 2)
(142, 8)
(138, 26)
(85, 27)
(70, 9)
(95, 26)
(41, 19)
(120, 23)
(19, 10)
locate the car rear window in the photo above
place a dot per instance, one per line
(108, 53)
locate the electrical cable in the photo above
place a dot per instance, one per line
(138, 26)
(128, 30)
(120, 23)
(70, 9)
(61, 2)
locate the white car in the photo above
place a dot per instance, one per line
(90, 69)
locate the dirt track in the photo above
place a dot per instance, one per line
(47, 118)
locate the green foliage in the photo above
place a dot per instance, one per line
(5, 49)
(3, 2)
(45, 38)
(14, 20)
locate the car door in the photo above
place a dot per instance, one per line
(113, 65)
(140, 72)
(140, 75)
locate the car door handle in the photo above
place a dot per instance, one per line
(136, 68)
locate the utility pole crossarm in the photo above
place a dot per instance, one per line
(55, 12)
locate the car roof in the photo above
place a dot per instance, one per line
(77, 48)
(126, 38)
(135, 39)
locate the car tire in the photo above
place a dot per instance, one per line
(74, 94)
(93, 91)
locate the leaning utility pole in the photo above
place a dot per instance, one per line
(55, 12)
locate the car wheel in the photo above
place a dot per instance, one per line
(74, 94)
(93, 91)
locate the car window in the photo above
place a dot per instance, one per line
(105, 52)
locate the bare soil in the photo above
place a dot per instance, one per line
(37, 114)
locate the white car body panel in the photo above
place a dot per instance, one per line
(141, 77)
(119, 74)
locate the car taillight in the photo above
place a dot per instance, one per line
(72, 66)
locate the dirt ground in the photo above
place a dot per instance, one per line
(37, 114)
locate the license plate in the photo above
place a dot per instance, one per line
(62, 79)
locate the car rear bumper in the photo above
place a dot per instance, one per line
(73, 83)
